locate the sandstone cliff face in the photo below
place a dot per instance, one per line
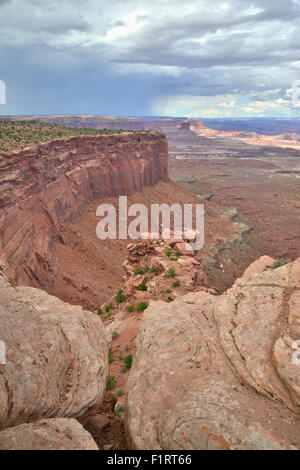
(56, 357)
(216, 372)
(44, 186)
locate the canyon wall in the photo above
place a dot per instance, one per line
(47, 185)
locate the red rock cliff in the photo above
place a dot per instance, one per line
(46, 185)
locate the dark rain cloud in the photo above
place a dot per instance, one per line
(121, 56)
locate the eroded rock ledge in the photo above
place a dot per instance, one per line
(48, 184)
(216, 372)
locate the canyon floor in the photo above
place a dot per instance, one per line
(263, 184)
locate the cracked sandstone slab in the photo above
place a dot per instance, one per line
(216, 372)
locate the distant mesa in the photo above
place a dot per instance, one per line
(184, 126)
(197, 125)
(191, 125)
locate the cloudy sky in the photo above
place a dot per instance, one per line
(200, 58)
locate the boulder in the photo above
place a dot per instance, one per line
(216, 372)
(259, 266)
(48, 434)
(184, 248)
(56, 357)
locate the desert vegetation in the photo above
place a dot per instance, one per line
(110, 382)
(17, 135)
(141, 306)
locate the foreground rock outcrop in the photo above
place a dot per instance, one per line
(217, 372)
(47, 434)
(56, 357)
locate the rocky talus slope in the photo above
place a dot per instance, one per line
(56, 367)
(44, 186)
(154, 269)
(216, 372)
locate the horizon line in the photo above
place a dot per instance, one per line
(145, 116)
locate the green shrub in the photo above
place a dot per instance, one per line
(110, 356)
(111, 382)
(176, 283)
(120, 392)
(170, 299)
(114, 335)
(128, 361)
(280, 262)
(142, 286)
(120, 297)
(119, 410)
(138, 271)
(109, 307)
(168, 291)
(177, 253)
(142, 306)
(130, 308)
(172, 272)
(100, 311)
(168, 252)
(153, 269)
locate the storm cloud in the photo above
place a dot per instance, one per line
(135, 57)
